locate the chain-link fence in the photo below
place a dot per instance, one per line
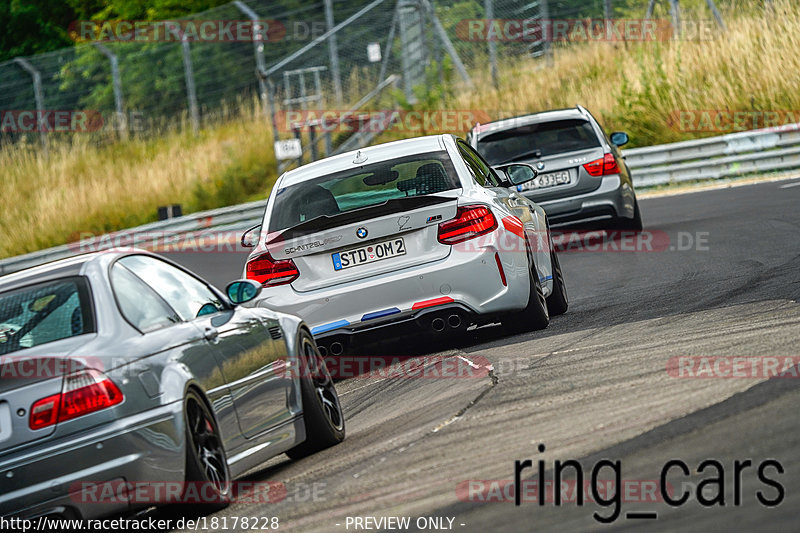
(143, 78)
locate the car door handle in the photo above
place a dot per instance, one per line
(211, 334)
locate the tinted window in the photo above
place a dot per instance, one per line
(478, 168)
(138, 303)
(548, 138)
(44, 313)
(189, 296)
(364, 186)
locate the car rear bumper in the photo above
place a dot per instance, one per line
(59, 478)
(440, 319)
(467, 283)
(613, 199)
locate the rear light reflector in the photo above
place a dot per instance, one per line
(471, 221)
(604, 166)
(271, 272)
(84, 392)
(515, 226)
(430, 303)
(44, 412)
(500, 268)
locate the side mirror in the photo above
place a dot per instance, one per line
(243, 290)
(518, 173)
(618, 138)
(250, 236)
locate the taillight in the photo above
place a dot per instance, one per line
(471, 221)
(84, 392)
(45, 412)
(602, 167)
(270, 272)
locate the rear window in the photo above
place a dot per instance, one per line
(364, 186)
(548, 138)
(44, 313)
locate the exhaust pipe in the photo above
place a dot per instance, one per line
(323, 351)
(336, 348)
(437, 324)
(454, 321)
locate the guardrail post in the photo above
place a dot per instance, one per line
(38, 95)
(122, 120)
(312, 139)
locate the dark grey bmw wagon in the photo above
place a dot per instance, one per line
(582, 177)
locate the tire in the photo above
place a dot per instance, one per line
(322, 413)
(558, 301)
(535, 316)
(206, 461)
(631, 224)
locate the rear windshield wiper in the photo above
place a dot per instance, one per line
(524, 155)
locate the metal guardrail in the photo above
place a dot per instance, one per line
(714, 157)
(212, 224)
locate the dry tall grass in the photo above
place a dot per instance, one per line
(755, 65)
(638, 87)
(84, 188)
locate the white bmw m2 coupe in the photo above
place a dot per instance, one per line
(420, 232)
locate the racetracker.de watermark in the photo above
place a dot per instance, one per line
(395, 367)
(20, 121)
(732, 367)
(730, 121)
(588, 241)
(502, 490)
(199, 241)
(206, 31)
(140, 493)
(583, 30)
(401, 120)
(514, 240)
(41, 367)
(50, 120)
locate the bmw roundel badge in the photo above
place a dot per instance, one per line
(540, 165)
(361, 232)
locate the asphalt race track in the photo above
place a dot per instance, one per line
(595, 384)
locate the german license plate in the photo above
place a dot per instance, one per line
(551, 179)
(368, 254)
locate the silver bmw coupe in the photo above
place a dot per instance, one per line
(122, 369)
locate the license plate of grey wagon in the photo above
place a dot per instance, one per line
(550, 179)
